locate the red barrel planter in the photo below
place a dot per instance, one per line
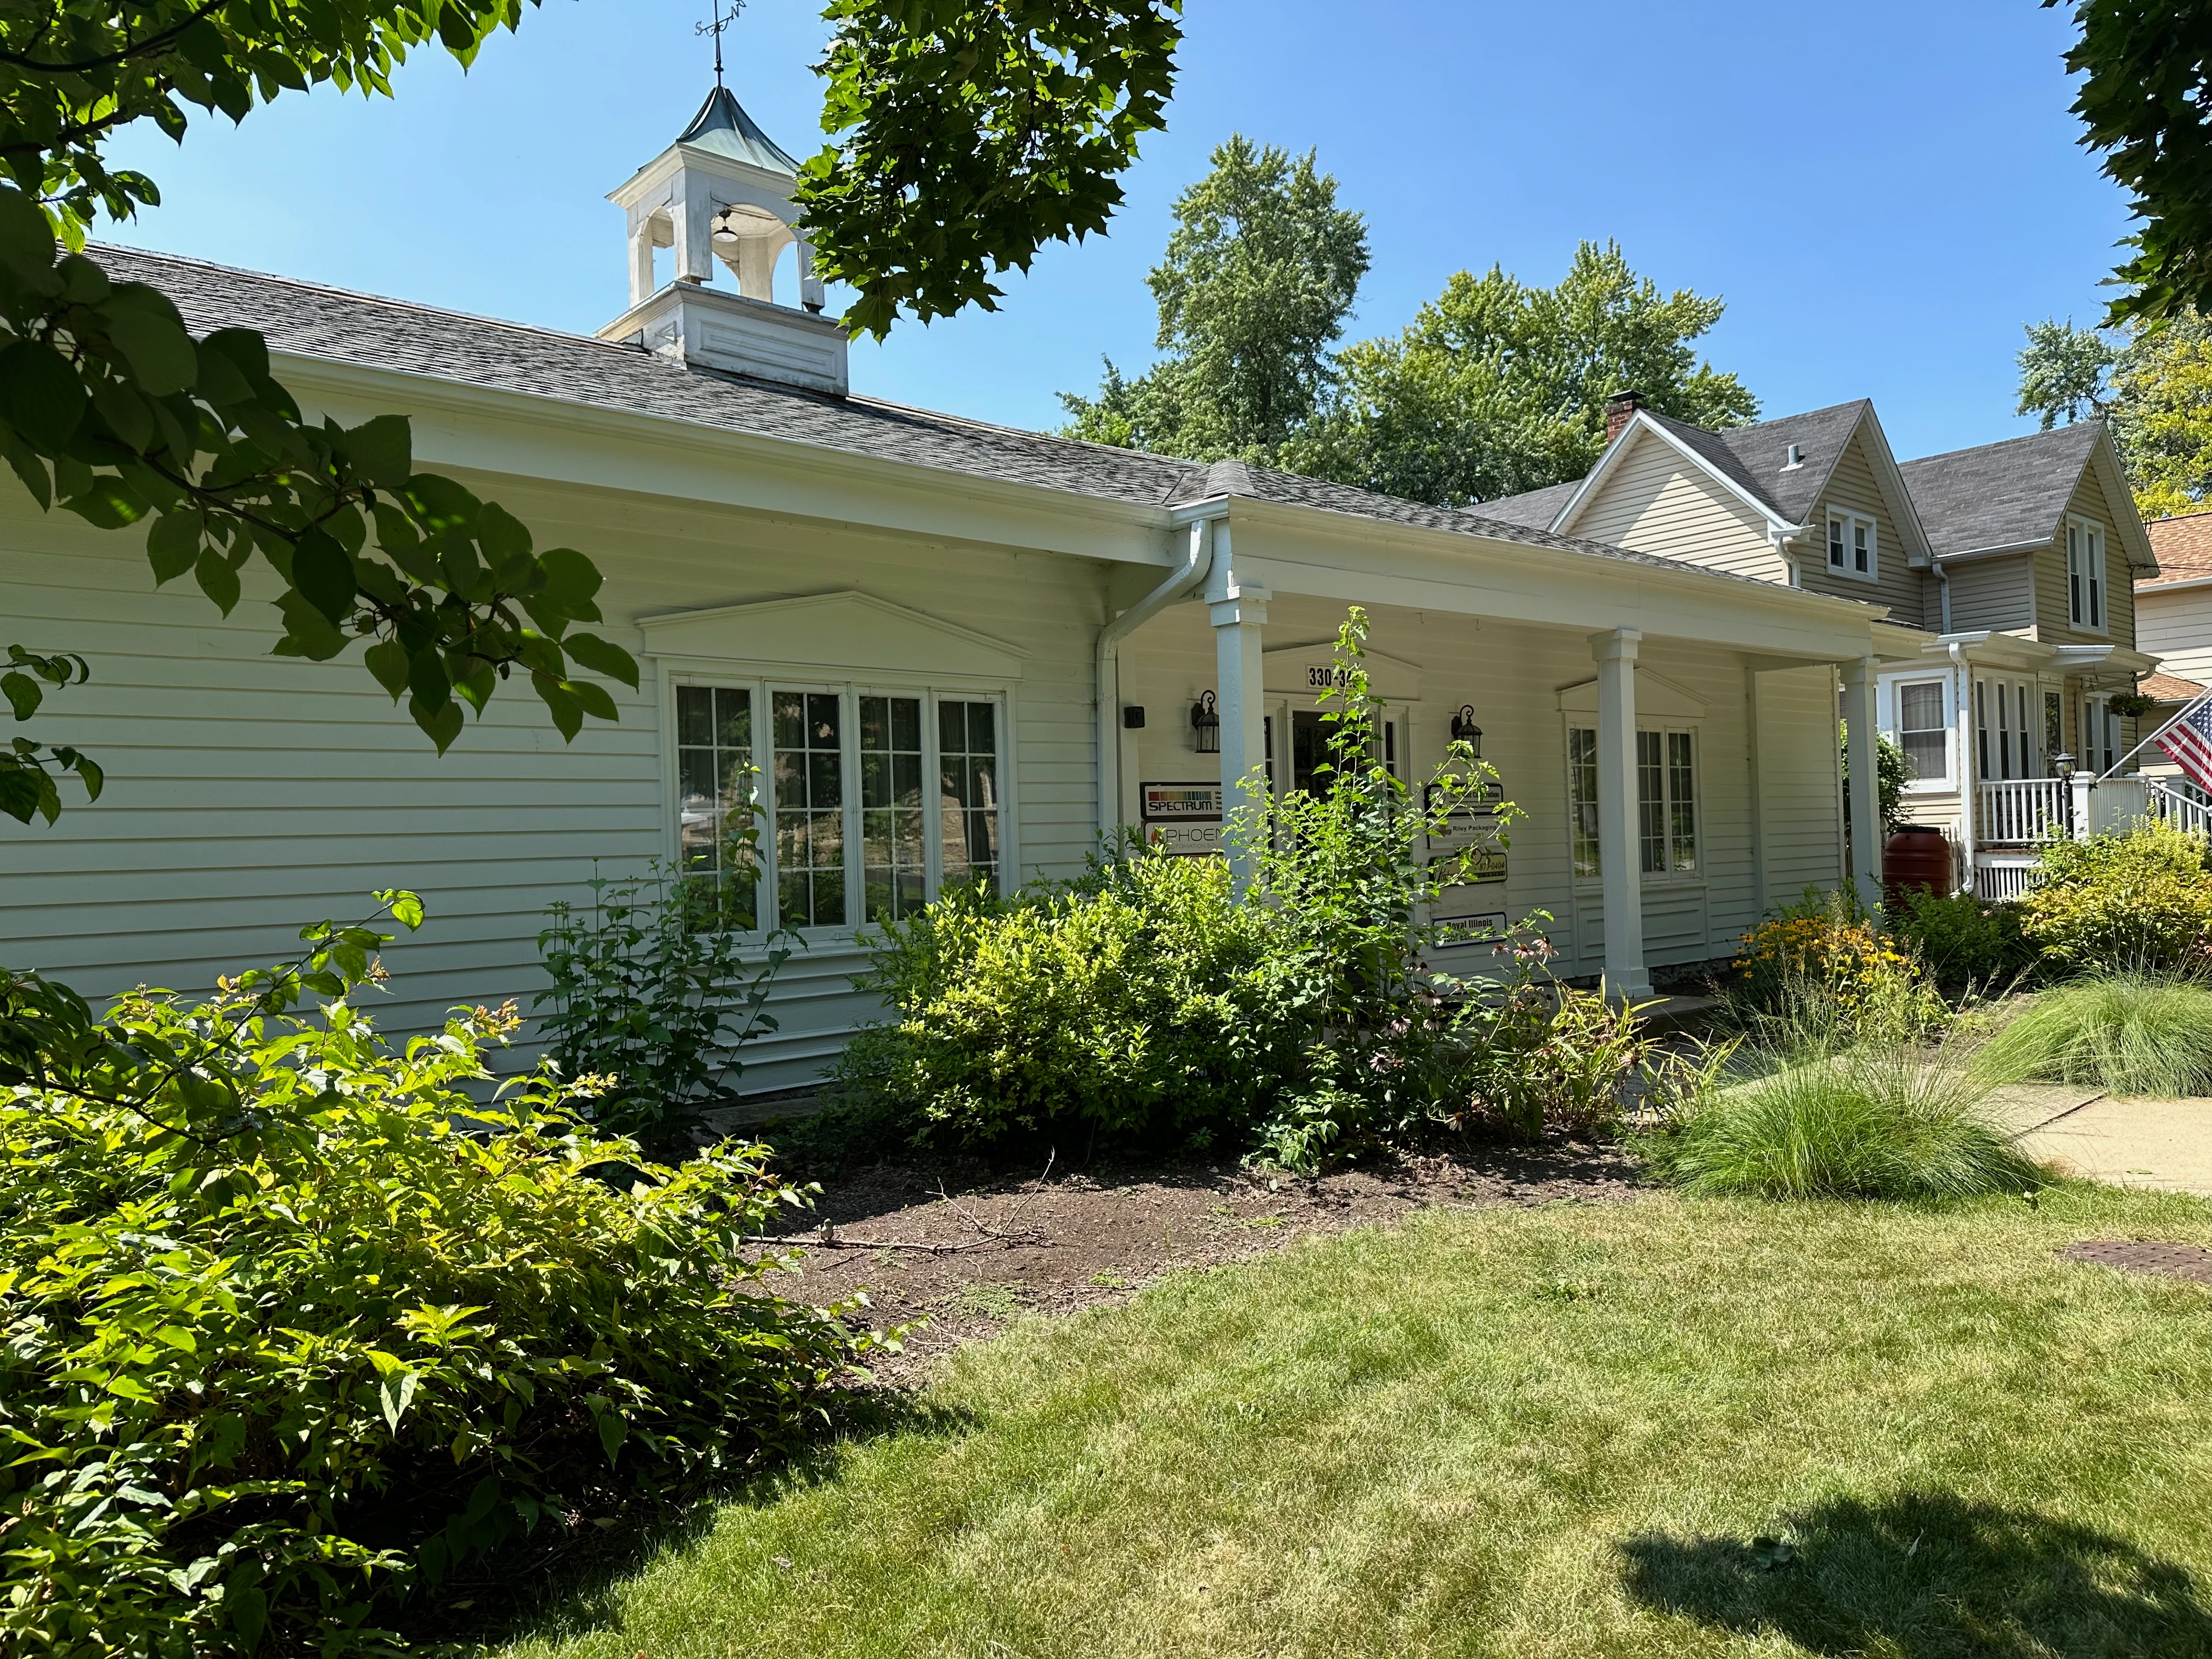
(1915, 856)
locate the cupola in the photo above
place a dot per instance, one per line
(721, 195)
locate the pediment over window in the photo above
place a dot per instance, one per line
(855, 633)
(1656, 699)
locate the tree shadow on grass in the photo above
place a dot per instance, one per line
(1927, 1576)
(573, 1586)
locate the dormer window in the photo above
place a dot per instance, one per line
(1851, 549)
(2085, 576)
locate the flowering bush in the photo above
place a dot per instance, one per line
(1826, 961)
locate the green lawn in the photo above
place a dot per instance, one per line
(1526, 1433)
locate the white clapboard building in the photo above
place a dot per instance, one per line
(951, 649)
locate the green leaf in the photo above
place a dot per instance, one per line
(381, 450)
(26, 238)
(442, 726)
(500, 534)
(159, 351)
(41, 395)
(172, 545)
(387, 660)
(440, 503)
(406, 906)
(324, 575)
(567, 714)
(247, 1609)
(245, 351)
(602, 657)
(571, 579)
(216, 579)
(593, 699)
(398, 1392)
(23, 693)
(613, 1431)
(106, 502)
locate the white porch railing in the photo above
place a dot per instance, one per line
(2020, 812)
(2115, 803)
(2183, 811)
(2002, 878)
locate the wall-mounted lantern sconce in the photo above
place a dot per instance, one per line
(1206, 724)
(1464, 730)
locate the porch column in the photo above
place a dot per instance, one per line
(1239, 612)
(1620, 860)
(1859, 721)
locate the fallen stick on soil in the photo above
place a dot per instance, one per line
(1028, 1236)
(836, 1241)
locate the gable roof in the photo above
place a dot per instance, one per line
(307, 320)
(2013, 495)
(723, 127)
(2184, 546)
(1761, 453)
(1537, 508)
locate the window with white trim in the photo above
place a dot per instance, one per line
(1851, 545)
(1666, 801)
(838, 780)
(1923, 730)
(2085, 575)
(2100, 735)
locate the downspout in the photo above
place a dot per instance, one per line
(1965, 732)
(1198, 564)
(1785, 544)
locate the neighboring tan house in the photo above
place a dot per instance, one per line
(2173, 620)
(2012, 562)
(951, 651)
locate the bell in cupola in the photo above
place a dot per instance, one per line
(720, 199)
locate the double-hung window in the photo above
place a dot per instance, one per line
(1923, 730)
(1666, 802)
(1851, 549)
(2085, 575)
(842, 807)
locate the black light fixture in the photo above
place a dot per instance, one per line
(1132, 717)
(2062, 764)
(1207, 724)
(1464, 730)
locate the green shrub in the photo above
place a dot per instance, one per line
(655, 991)
(1821, 976)
(2133, 900)
(1549, 1058)
(1128, 1006)
(2130, 1033)
(1968, 943)
(1887, 1123)
(296, 1323)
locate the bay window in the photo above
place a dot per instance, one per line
(839, 782)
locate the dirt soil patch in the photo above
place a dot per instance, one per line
(967, 1248)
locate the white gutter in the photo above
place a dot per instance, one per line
(1967, 780)
(1198, 564)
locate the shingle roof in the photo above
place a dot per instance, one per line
(2169, 688)
(1753, 457)
(307, 320)
(2008, 494)
(2184, 546)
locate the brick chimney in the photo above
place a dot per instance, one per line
(1618, 409)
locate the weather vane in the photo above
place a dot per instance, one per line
(715, 29)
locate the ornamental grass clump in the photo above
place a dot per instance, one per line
(1887, 1122)
(2133, 1034)
(299, 1324)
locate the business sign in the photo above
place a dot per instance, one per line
(1183, 819)
(1477, 928)
(1469, 839)
(1182, 803)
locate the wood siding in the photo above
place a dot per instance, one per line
(1657, 501)
(2176, 625)
(1853, 487)
(248, 794)
(1996, 594)
(2053, 622)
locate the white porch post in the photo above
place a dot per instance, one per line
(1619, 860)
(1859, 719)
(1239, 612)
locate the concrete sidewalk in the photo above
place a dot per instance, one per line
(2165, 1144)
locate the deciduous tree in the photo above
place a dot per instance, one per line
(2153, 387)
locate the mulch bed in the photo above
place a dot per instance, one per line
(967, 1248)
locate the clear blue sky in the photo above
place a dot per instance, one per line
(1884, 192)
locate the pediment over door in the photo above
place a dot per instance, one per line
(1290, 669)
(855, 633)
(1656, 699)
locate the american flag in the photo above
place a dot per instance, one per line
(2188, 742)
